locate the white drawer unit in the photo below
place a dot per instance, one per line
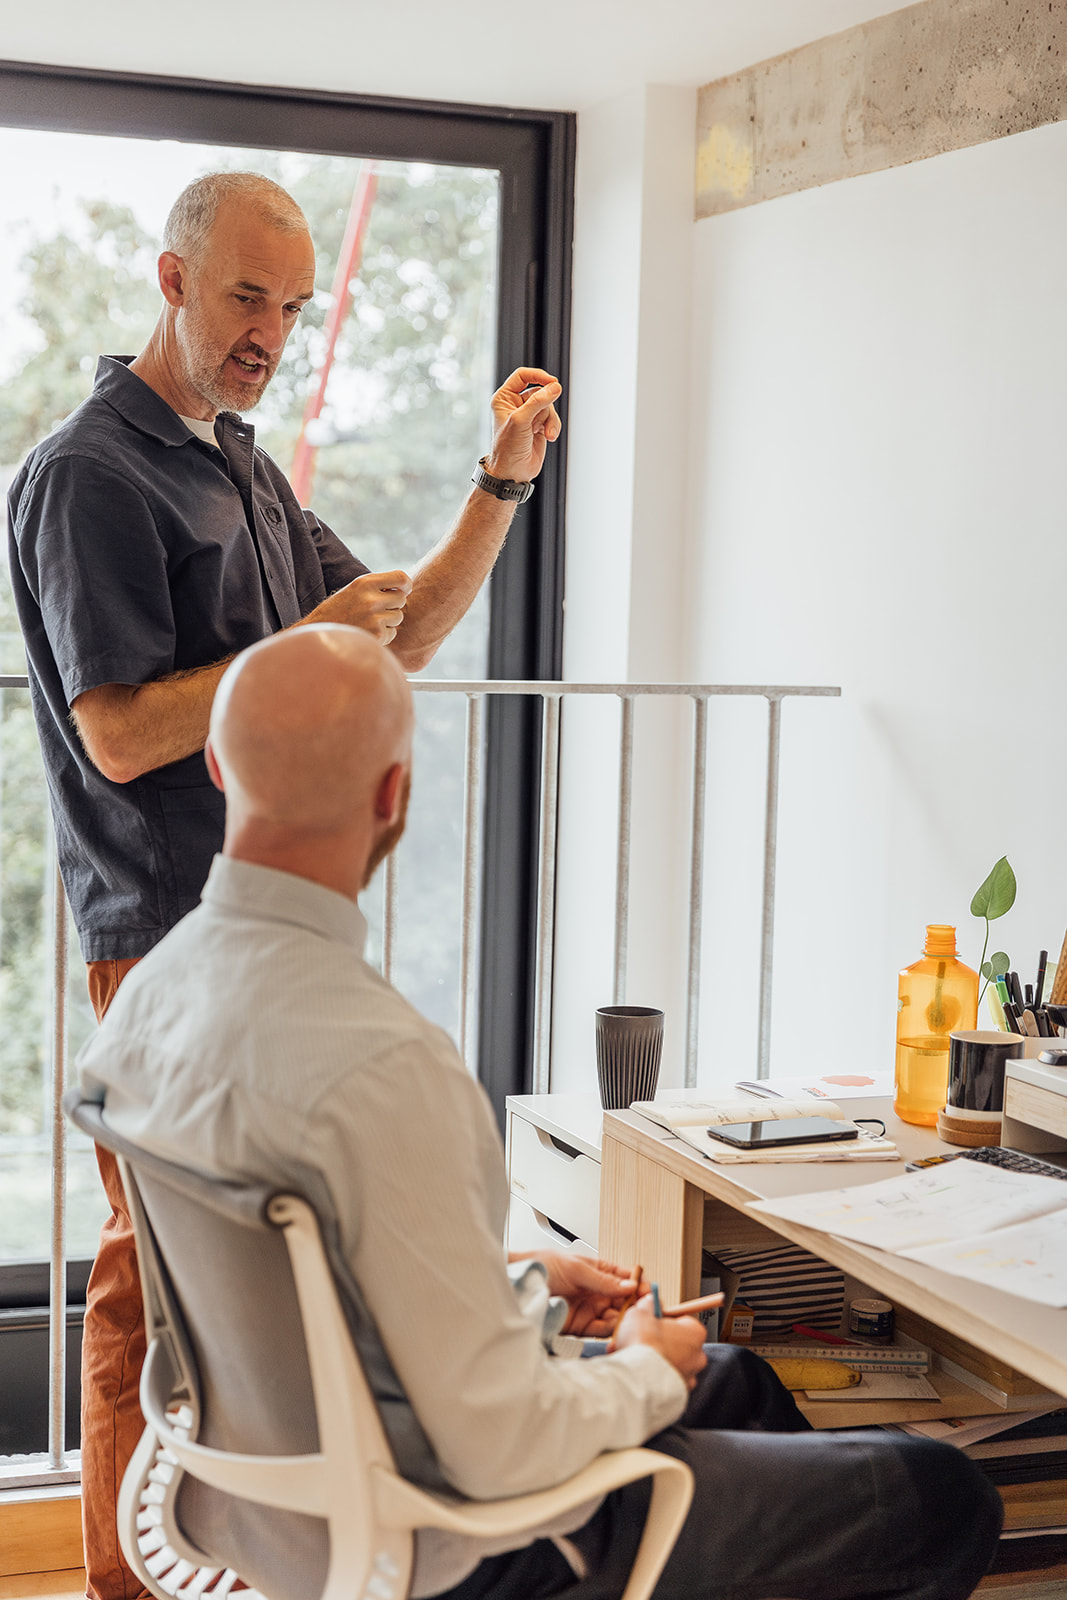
(553, 1154)
(533, 1230)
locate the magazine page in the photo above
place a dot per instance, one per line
(825, 1086)
(956, 1201)
(1029, 1259)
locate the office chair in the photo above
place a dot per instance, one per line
(255, 1395)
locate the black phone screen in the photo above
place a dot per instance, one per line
(786, 1130)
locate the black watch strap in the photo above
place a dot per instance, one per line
(503, 488)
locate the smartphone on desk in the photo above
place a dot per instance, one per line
(785, 1130)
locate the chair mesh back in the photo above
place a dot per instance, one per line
(227, 1272)
(234, 1286)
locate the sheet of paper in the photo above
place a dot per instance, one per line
(825, 1086)
(964, 1431)
(881, 1386)
(952, 1202)
(1029, 1259)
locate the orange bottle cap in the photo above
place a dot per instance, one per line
(940, 940)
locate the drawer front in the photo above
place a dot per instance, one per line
(1041, 1108)
(532, 1230)
(560, 1184)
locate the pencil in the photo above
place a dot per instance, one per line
(689, 1307)
(656, 1307)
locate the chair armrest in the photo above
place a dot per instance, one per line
(404, 1504)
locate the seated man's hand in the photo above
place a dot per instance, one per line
(679, 1340)
(596, 1291)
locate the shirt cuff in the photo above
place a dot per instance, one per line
(666, 1391)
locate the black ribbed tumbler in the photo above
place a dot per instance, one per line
(629, 1040)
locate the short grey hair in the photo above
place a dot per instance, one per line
(193, 214)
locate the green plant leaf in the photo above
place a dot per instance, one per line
(1000, 964)
(997, 893)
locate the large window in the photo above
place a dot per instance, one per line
(459, 275)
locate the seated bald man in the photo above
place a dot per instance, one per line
(255, 1043)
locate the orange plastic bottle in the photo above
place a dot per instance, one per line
(935, 997)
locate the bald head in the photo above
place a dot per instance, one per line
(311, 738)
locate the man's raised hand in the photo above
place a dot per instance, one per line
(525, 422)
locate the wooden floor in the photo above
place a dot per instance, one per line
(44, 1585)
(70, 1585)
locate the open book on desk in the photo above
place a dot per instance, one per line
(690, 1115)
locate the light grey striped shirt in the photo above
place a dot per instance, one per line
(256, 1043)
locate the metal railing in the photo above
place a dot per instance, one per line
(60, 1466)
(552, 694)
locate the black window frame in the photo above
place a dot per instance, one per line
(534, 154)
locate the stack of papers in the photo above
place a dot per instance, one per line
(1006, 1229)
(689, 1114)
(865, 1147)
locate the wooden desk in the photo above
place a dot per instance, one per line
(660, 1201)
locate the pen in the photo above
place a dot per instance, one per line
(1042, 962)
(1016, 990)
(656, 1307)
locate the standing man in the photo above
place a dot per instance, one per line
(150, 542)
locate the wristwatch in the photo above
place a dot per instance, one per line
(503, 488)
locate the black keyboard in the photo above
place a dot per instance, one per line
(995, 1155)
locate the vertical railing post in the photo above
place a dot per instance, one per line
(696, 889)
(770, 860)
(622, 868)
(57, 1307)
(389, 918)
(546, 895)
(472, 851)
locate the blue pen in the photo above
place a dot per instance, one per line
(657, 1308)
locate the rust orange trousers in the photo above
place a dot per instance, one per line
(113, 1347)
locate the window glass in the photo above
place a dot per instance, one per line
(405, 416)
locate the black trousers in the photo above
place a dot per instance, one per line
(779, 1511)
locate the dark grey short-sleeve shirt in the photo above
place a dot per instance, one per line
(138, 550)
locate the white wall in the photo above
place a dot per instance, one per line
(627, 551)
(878, 423)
